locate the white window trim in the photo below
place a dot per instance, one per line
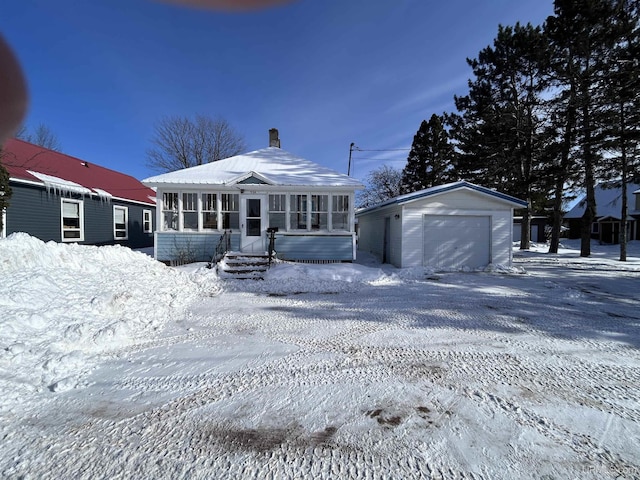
(81, 213)
(3, 233)
(147, 213)
(126, 222)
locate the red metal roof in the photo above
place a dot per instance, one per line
(19, 158)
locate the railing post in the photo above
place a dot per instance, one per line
(272, 241)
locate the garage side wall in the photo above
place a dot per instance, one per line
(371, 237)
(458, 202)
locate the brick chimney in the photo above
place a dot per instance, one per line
(274, 141)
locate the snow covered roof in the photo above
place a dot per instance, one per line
(440, 189)
(56, 171)
(271, 166)
(608, 201)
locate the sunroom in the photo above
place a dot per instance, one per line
(307, 208)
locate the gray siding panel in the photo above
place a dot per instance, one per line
(193, 247)
(314, 247)
(34, 211)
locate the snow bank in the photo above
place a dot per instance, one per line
(63, 306)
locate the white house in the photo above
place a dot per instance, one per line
(447, 227)
(312, 208)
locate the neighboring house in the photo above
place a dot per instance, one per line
(453, 226)
(310, 205)
(606, 227)
(61, 198)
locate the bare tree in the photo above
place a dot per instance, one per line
(180, 142)
(383, 183)
(42, 135)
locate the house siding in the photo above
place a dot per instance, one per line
(315, 247)
(37, 211)
(193, 247)
(34, 211)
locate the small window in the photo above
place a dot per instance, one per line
(209, 213)
(230, 210)
(319, 212)
(72, 220)
(169, 211)
(147, 221)
(190, 211)
(120, 223)
(340, 212)
(298, 215)
(277, 211)
(595, 227)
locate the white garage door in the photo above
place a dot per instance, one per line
(456, 241)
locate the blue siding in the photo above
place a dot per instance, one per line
(36, 211)
(189, 247)
(314, 247)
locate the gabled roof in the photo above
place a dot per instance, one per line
(449, 187)
(30, 163)
(271, 165)
(608, 201)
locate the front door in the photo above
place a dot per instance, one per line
(252, 224)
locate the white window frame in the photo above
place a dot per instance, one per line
(3, 233)
(147, 218)
(80, 204)
(174, 197)
(126, 223)
(203, 211)
(194, 200)
(335, 203)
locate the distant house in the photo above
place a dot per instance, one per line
(453, 226)
(312, 208)
(61, 198)
(606, 227)
(537, 231)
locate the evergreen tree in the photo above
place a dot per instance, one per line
(500, 130)
(582, 34)
(622, 100)
(430, 161)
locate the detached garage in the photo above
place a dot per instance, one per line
(449, 227)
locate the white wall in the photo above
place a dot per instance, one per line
(457, 202)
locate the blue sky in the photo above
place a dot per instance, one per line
(324, 72)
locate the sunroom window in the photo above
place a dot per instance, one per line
(190, 211)
(170, 211)
(209, 213)
(319, 212)
(277, 211)
(340, 212)
(120, 223)
(298, 215)
(72, 220)
(230, 210)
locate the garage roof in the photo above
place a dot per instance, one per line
(440, 189)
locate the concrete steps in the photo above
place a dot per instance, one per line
(243, 266)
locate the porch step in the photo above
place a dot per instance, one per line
(244, 266)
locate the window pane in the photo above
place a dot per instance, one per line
(253, 227)
(209, 221)
(253, 207)
(118, 215)
(190, 220)
(230, 220)
(71, 209)
(277, 220)
(170, 220)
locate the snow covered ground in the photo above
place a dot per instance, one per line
(115, 366)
